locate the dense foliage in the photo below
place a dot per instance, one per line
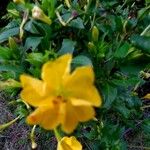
(112, 36)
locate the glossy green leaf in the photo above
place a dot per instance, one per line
(122, 51)
(68, 46)
(77, 23)
(109, 94)
(30, 27)
(81, 60)
(32, 42)
(8, 33)
(141, 42)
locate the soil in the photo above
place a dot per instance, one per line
(16, 137)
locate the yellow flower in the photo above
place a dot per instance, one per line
(61, 97)
(69, 143)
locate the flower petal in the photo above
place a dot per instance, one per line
(79, 102)
(80, 85)
(69, 143)
(84, 113)
(47, 117)
(70, 121)
(83, 110)
(54, 71)
(33, 90)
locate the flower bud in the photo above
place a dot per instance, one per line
(12, 43)
(91, 47)
(37, 13)
(67, 2)
(10, 83)
(95, 34)
(19, 1)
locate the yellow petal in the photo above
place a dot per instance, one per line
(33, 90)
(69, 121)
(54, 71)
(48, 117)
(80, 86)
(79, 102)
(69, 143)
(147, 96)
(84, 113)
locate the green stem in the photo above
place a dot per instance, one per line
(94, 16)
(146, 30)
(3, 126)
(143, 107)
(57, 135)
(33, 143)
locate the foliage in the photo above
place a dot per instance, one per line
(112, 36)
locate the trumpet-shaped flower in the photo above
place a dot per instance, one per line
(37, 13)
(61, 97)
(69, 143)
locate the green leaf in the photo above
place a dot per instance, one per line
(141, 42)
(116, 23)
(15, 69)
(35, 59)
(132, 69)
(109, 94)
(77, 23)
(122, 51)
(46, 32)
(142, 12)
(122, 109)
(49, 6)
(146, 126)
(5, 53)
(67, 47)
(81, 60)
(8, 33)
(30, 27)
(32, 42)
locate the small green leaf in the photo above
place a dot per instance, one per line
(32, 42)
(81, 60)
(30, 27)
(77, 23)
(35, 59)
(122, 109)
(5, 53)
(67, 47)
(122, 51)
(109, 94)
(146, 126)
(141, 42)
(11, 68)
(8, 33)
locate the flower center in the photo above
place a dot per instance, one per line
(58, 100)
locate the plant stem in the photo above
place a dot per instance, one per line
(147, 106)
(34, 145)
(57, 135)
(145, 30)
(3, 126)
